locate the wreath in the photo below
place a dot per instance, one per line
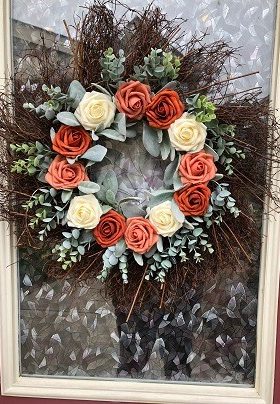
(160, 95)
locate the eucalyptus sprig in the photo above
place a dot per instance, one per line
(58, 101)
(38, 158)
(159, 66)
(221, 202)
(227, 150)
(203, 109)
(72, 247)
(112, 66)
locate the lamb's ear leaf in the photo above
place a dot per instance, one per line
(150, 140)
(88, 187)
(68, 118)
(130, 209)
(138, 258)
(120, 248)
(76, 92)
(176, 212)
(209, 150)
(101, 89)
(95, 153)
(160, 196)
(170, 171)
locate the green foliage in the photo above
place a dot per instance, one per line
(221, 202)
(72, 247)
(190, 240)
(157, 142)
(48, 213)
(203, 109)
(58, 101)
(38, 158)
(226, 149)
(159, 66)
(112, 66)
(108, 182)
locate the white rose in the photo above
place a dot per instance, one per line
(84, 212)
(186, 134)
(162, 217)
(96, 110)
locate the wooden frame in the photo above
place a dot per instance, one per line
(136, 391)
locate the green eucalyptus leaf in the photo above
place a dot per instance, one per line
(95, 153)
(76, 233)
(68, 119)
(88, 187)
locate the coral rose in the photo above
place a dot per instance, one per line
(193, 201)
(197, 168)
(62, 175)
(187, 134)
(110, 229)
(164, 109)
(140, 235)
(132, 99)
(71, 141)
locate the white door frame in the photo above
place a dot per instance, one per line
(137, 391)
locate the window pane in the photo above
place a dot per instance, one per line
(75, 330)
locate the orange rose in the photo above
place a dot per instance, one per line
(197, 168)
(140, 235)
(132, 99)
(62, 175)
(193, 201)
(164, 109)
(71, 141)
(110, 229)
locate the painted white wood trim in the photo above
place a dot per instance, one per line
(138, 391)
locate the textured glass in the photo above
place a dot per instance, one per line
(211, 336)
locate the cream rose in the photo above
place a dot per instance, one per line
(162, 217)
(96, 111)
(84, 212)
(186, 134)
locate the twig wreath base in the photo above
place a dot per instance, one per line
(130, 81)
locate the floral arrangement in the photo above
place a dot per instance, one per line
(176, 220)
(74, 208)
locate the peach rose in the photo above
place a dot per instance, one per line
(140, 235)
(62, 175)
(193, 201)
(164, 109)
(132, 99)
(110, 229)
(71, 141)
(197, 168)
